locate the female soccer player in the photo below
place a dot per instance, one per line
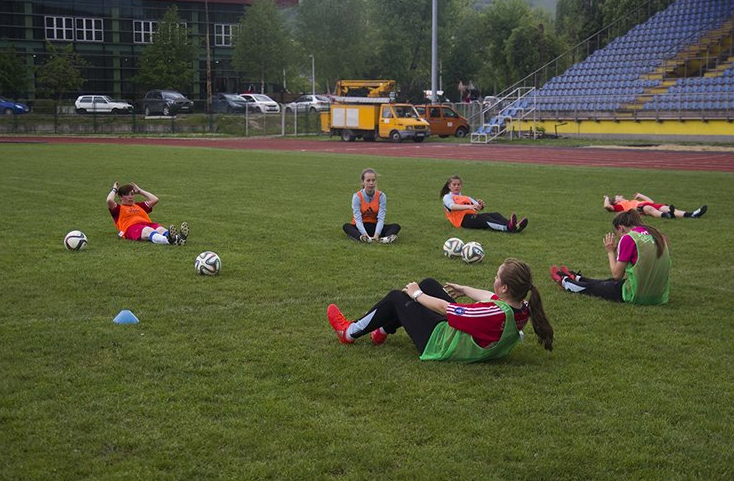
(369, 207)
(132, 220)
(647, 206)
(463, 211)
(643, 256)
(444, 330)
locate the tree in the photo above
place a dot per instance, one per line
(338, 34)
(61, 73)
(13, 74)
(262, 45)
(167, 62)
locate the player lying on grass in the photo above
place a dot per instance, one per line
(640, 265)
(647, 206)
(132, 220)
(489, 327)
(463, 211)
(369, 208)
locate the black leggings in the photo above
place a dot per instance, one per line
(387, 229)
(609, 289)
(486, 220)
(397, 309)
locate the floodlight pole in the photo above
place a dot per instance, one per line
(313, 76)
(434, 50)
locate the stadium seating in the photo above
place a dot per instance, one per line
(629, 73)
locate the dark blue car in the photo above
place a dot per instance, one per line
(8, 107)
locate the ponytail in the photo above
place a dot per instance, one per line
(517, 277)
(632, 219)
(445, 189)
(541, 326)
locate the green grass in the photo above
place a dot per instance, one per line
(240, 376)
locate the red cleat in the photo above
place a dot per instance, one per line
(339, 323)
(569, 273)
(556, 275)
(378, 337)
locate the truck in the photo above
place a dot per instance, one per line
(360, 110)
(444, 120)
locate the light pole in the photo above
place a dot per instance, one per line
(313, 76)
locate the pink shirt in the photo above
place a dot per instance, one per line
(627, 249)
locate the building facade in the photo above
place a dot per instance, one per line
(111, 34)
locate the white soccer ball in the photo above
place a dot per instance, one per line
(452, 247)
(75, 241)
(472, 252)
(207, 264)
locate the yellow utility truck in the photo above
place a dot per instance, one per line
(361, 110)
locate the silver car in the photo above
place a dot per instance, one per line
(262, 103)
(309, 103)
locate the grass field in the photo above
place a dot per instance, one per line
(240, 376)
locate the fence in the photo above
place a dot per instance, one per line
(242, 125)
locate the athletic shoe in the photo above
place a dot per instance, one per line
(339, 323)
(378, 337)
(699, 212)
(172, 235)
(512, 224)
(388, 239)
(557, 275)
(669, 215)
(365, 238)
(569, 273)
(521, 225)
(184, 234)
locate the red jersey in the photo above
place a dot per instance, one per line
(484, 321)
(369, 209)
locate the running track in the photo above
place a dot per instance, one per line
(596, 157)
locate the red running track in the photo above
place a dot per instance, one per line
(595, 157)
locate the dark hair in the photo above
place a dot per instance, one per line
(517, 277)
(445, 189)
(125, 189)
(631, 219)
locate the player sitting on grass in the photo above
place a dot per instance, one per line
(463, 211)
(369, 208)
(643, 256)
(444, 330)
(132, 221)
(647, 206)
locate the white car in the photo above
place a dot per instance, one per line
(261, 103)
(309, 103)
(101, 104)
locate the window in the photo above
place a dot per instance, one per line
(449, 113)
(59, 28)
(223, 34)
(89, 29)
(143, 31)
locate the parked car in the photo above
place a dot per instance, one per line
(8, 107)
(230, 103)
(309, 103)
(444, 120)
(101, 104)
(262, 103)
(166, 102)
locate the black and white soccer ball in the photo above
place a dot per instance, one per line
(472, 253)
(207, 264)
(452, 247)
(75, 241)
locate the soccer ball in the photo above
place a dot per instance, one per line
(472, 252)
(75, 241)
(452, 247)
(207, 264)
